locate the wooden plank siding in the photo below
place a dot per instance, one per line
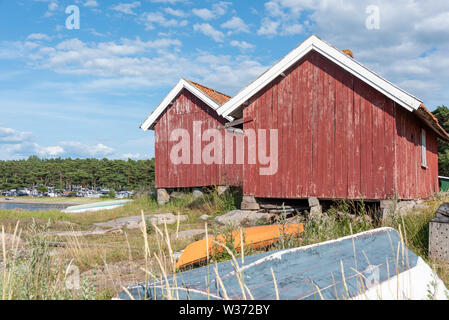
(185, 110)
(338, 139)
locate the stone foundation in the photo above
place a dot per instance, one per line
(250, 203)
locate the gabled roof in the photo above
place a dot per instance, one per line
(395, 93)
(212, 98)
(217, 96)
(234, 106)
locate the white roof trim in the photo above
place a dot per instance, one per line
(182, 84)
(395, 93)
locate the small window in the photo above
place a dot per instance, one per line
(423, 149)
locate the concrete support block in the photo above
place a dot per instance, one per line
(314, 202)
(439, 241)
(221, 190)
(315, 208)
(249, 199)
(162, 197)
(249, 203)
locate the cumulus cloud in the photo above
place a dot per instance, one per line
(176, 13)
(15, 143)
(235, 24)
(11, 136)
(126, 8)
(409, 48)
(38, 36)
(78, 149)
(208, 30)
(153, 19)
(90, 3)
(268, 27)
(241, 44)
(133, 64)
(132, 156)
(217, 10)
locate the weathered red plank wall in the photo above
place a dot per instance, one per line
(338, 139)
(187, 109)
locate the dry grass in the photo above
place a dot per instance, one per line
(111, 262)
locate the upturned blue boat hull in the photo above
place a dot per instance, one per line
(368, 265)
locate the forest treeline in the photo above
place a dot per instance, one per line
(64, 173)
(442, 114)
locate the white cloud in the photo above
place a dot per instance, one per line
(204, 13)
(269, 27)
(131, 156)
(242, 44)
(11, 136)
(77, 149)
(126, 8)
(208, 30)
(218, 9)
(293, 29)
(236, 25)
(14, 143)
(176, 13)
(91, 3)
(38, 36)
(168, 1)
(151, 19)
(410, 47)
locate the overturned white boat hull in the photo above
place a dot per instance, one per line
(97, 206)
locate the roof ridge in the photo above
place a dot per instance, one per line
(208, 88)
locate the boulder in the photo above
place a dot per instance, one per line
(205, 217)
(162, 197)
(197, 193)
(168, 218)
(136, 221)
(189, 234)
(243, 218)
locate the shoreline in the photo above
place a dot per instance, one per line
(49, 202)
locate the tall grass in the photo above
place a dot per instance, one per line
(38, 271)
(34, 273)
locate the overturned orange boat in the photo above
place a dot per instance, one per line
(253, 238)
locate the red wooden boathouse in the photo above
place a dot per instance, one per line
(344, 132)
(189, 103)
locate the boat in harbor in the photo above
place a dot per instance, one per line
(97, 206)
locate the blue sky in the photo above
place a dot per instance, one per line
(84, 92)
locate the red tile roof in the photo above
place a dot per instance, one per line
(432, 122)
(218, 97)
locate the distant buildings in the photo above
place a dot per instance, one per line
(75, 191)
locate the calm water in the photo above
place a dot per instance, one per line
(32, 207)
